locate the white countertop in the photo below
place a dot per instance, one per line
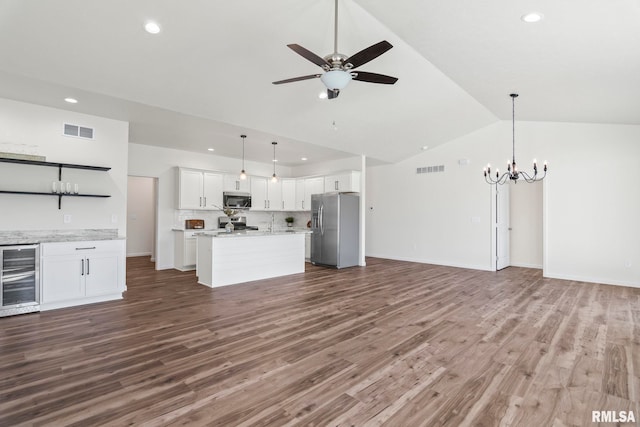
(48, 236)
(249, 233)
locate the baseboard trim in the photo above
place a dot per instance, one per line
(434, 262)
(138, 254)
(600, 281)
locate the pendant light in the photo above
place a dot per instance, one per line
(243, 174)
(274, 178)
(512, 173)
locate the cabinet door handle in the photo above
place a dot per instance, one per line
(200, 202)
(85, 249)
(87, 266)
(205, 202)
(283, 205)
(82, 270)
(303, 205)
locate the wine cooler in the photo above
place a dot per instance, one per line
(19, 279)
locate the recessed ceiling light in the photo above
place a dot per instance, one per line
(71, 100)
(274, 160)
(211, 149)
(532, 17)
(152, 27)
(304, 159)
(425, 147)
(322, 95)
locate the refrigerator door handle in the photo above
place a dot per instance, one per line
(321, 219)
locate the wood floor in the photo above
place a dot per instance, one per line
(394, 343)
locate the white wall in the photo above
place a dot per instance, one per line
(141, 215)
(322, 168)
(590, 196)
(525, 215)
(38, 130)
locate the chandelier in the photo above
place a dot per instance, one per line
(512, 173)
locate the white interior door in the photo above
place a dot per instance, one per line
(502, 226)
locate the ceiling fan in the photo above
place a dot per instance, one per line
(339, 69)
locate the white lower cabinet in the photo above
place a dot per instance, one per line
(184, 254)
(82, 272)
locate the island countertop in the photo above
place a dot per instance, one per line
(249, 233)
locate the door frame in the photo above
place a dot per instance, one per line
(545, 204)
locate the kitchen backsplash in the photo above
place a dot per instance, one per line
(257, 218)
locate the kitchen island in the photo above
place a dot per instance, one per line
(230, 258)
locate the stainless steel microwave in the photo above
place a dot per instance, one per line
(236, 200)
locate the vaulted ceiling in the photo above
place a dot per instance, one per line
(206, 77)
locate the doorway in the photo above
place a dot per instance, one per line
(517, 225)
(526, 225)
(142, 200)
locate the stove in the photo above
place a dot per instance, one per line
(239, 223)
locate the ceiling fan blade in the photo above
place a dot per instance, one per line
(297, 79)
(368, 54)
(363, 76)
(331, 94)
(310, 56)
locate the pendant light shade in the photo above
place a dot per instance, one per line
(274, 178)
(243, 174)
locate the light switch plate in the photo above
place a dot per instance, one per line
(66, 218)
(114, 218)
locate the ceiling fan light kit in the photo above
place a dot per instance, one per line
(337, 68)
(512, 173)
(336, 79)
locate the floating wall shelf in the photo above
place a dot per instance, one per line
(60, 166)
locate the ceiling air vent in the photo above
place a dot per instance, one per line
(78, 131)
(430, 169)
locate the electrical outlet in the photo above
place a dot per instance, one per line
(114, 218)
(66, 218)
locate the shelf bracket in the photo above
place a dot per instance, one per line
(59, 172)
(59, 201)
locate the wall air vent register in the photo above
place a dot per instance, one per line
(430, 169)
(78, 131)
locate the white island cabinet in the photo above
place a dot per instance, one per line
(227, 259)
(74, 273)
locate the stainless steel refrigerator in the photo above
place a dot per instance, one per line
(335, 222)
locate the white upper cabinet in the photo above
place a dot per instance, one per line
(232, 182)
(190, 189)
(202, 190)
(199, 190)
(300, 204)
(274, 195)
(312, 186)
(345, 181)
(212, 191)
(259, 197)
(265, 194)
(289, 194)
